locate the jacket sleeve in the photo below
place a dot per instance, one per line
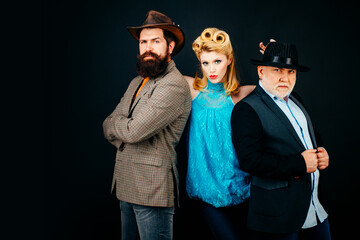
(108, 122)
(164, 104)
(248, 139)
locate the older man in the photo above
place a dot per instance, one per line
(275, 142)
(145, 128)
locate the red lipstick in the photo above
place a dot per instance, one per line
(213, 76)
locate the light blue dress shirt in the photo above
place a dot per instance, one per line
(299, 122)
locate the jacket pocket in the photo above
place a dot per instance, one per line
(269, 197)
(147, 153)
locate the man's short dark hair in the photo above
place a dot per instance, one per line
(169, 37)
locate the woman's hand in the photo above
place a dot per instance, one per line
(263, 47)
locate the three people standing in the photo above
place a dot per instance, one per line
(261, 150)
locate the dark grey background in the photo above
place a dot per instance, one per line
(89, 60)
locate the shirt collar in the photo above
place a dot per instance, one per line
(272, 95)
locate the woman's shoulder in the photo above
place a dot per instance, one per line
(243, 92)
(190, 80)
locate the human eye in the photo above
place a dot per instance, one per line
(205, 63)
(292, 71)
(156, 40)
(142, 41)
(218, 61)
(276, 69)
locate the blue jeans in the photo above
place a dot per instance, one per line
(319, 232)
(145, 222)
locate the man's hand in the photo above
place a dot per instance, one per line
(311, 160)
(323, 158)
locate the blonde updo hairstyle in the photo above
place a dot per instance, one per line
(213, 39)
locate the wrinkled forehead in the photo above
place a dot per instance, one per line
(151, 33)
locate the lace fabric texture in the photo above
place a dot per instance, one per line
(213, 174)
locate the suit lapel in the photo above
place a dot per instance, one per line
(134, 87)
(278, 113)
(310, 126)
(142, 92)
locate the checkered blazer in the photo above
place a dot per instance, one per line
(145, 134)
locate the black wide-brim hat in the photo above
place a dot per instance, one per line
(281, 55)
(156, 19)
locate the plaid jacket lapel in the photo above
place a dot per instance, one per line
(143, 91)
(148, 86)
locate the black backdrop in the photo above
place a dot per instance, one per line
(89, 60)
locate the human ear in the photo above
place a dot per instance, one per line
(260, 70)
(229, 60)
(171, 47)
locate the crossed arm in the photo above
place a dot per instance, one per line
(162, 107)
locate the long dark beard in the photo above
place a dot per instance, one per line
(151, 68)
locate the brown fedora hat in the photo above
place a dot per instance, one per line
(156, 19)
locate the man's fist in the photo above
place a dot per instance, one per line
(311, 160)
(323, 158)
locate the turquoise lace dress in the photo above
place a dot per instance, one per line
(213, 174)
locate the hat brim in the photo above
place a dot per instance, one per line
(280, 65)
(175, 30)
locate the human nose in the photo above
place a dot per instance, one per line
(212, 68)
(148, 47)
(284, 77)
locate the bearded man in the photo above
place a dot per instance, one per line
(145, 127)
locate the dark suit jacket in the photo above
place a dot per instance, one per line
(269, 148)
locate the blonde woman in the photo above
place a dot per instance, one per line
(214, 177)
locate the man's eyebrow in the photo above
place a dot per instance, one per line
(150, 39)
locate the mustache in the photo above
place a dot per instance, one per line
(148, 54)
(283, 85)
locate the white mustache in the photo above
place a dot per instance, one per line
(283, 85)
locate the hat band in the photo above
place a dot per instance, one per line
(281, 60)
